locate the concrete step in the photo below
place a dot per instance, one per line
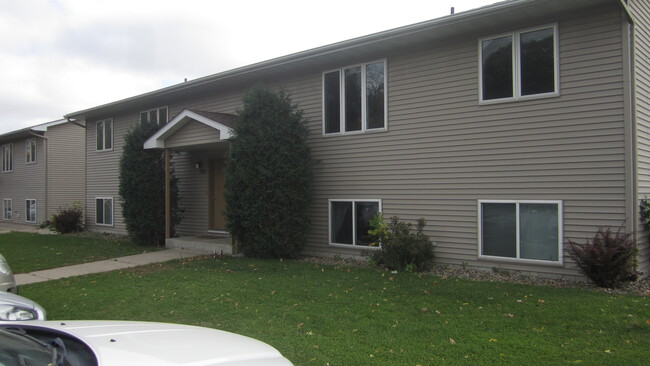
(208, 244)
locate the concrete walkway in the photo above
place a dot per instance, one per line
(105, 265)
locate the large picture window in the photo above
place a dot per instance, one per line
(8, 158)
(104, 135)
(7, 209)
(519, 65)
(104, 211)
(30, 151)
(157, 115)
(524, 230)
(354, 99)
(350, 221)
(30, 210)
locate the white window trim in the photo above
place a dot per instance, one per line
(157, 109)
(560, 233)
(27, 211)
(10, 146)
(364, 104)
(109, 120)
(4, 208)
(354, 221)
(112, 224)
(32, 155)
(516, 69)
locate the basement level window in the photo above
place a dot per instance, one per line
(521, 230)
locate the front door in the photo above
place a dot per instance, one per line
(217, 221)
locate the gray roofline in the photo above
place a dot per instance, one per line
(322, 51)
(40, 128)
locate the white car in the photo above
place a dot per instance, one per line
(124, 343)
(18, 308)
(7, 280)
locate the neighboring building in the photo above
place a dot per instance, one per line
(42, 171)
(509, 128)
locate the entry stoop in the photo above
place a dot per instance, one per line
(209, 244)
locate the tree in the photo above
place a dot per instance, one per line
(268, 176)
(142, 188)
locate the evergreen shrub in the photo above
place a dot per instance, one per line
(142, 188)
(268, 176)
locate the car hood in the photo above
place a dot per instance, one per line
(144, 343)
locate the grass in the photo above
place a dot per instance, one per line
(319, 314)
(27, 252)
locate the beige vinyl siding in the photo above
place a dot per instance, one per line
(641, 13)
(66, 166)
(193, 183)
(26, 181)
(102, 171)
(194, 133)
(444, 152)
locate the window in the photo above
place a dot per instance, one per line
(158, 115)
(30, 210)
(526, 230)
(519, 65)
(8, 158)
(30, 151)
(350, 221)
(105, 135)
(104, 211)
(354, 99)
(6, 209)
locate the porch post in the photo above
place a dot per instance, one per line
(168, 216)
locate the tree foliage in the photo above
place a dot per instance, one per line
(268, 176)
(142, 188)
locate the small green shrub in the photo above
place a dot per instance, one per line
(67, 220)
(608, 259)
(399, 248)
(644, 207)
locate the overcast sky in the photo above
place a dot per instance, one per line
(61, 56)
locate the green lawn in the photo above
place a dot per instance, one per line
(335, 315)
(27, 252)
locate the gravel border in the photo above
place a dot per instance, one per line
(637, 288)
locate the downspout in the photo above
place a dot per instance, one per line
(47, 164)
(629, 112)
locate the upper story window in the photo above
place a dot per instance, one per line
(30, 151)
(8, 158)
(104, 135)
(158, 115)
(519, 65)
(354, 99)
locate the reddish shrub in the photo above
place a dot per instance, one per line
(608, 259)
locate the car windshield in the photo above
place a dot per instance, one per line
(17, 349)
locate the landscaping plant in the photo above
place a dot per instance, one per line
(142, 188)
(400, 248)
(268, 176)
(67, 220)
(608, 259)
